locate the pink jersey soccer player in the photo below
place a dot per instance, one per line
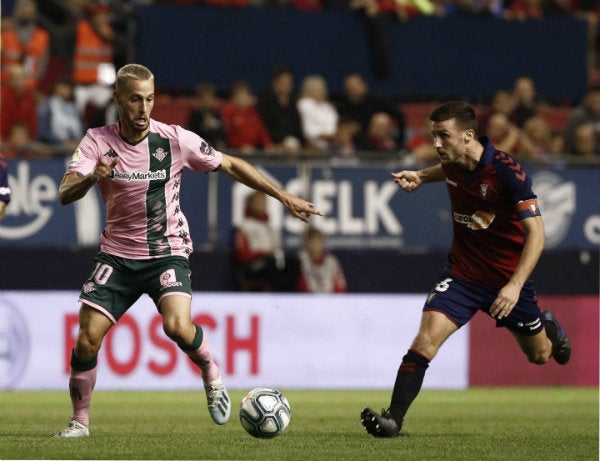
(144, 248)
(498, 239)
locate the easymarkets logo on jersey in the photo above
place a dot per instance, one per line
(140, 175)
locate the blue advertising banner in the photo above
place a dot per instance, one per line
(569, 199)
(363, 207)
(35, 216)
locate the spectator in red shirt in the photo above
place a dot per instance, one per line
(19, 144)
(420, 147)
(502, 132)
(19, 103)
(320, 271)
(244, 126)
(257, 248)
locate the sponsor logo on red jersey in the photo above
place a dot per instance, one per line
(477, 221)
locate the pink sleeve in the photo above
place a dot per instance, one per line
(196, 153)
(85, 158)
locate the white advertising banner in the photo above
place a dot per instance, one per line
(290, 341)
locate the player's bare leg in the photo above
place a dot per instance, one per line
(190, 338)
(93, 326)
(434, 330)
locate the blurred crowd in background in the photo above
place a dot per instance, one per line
(59, 60)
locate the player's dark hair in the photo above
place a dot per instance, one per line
(462, 112)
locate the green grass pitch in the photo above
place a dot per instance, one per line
(478, 424)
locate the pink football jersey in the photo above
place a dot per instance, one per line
(143, 215)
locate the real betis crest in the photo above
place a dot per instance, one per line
(160, 154)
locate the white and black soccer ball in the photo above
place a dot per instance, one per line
(265, 412)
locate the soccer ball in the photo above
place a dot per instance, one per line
(265, 413)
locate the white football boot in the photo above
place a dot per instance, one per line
(219, 404)
(74, 429)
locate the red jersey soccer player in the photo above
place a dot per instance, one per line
(498, 239)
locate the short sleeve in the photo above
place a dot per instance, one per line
(514, 180)
(196, 153)
(85, 158)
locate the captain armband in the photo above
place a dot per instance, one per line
(528, 208)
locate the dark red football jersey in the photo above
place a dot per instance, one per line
(487, 207)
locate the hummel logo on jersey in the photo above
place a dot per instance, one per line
(452, 183)
(512, 164)
(111, 153)
(160, 154)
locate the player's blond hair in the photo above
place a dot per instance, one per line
(132, 71)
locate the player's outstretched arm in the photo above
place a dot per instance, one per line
(74, 186)
(411, 180)
(242, 171)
